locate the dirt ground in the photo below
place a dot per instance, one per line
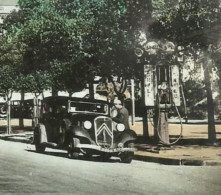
(193, 130)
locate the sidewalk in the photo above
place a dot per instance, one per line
(191, 149)
(180, 154)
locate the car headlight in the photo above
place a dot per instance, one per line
(87, 124)
(120, 127)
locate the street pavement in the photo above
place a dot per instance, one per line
(191, 149)
(24, 171)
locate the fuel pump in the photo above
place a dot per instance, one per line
(162, 87)
(167, 97)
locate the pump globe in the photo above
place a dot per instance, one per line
(151, 47)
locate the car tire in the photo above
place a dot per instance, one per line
(127, 157)
(40, 148)
(72, 152)
(88, 155)
(105, 157)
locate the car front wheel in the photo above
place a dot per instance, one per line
(127, 157)
(105, 157)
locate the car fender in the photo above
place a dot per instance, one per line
(43, 134)
(127, 135)
(81, 132)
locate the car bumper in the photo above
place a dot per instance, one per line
(101, 149)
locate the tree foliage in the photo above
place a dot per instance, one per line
(73, 41)
(10, 64)
(195, 22)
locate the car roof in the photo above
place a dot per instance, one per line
(65, 99)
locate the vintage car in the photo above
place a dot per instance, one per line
(2, 110)
(22, 109)
(82, 126)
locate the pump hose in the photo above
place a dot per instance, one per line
(184, 101)
(181, 130)
(151, 121)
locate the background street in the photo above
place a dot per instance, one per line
(24, 171)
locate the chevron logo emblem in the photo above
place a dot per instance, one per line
(104, 128)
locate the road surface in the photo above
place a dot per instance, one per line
(23, 171)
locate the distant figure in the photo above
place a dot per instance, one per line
(122, 114)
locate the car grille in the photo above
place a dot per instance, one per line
(103, 131)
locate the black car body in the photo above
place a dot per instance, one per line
(82, 126)
(22, 109)
(3, 108)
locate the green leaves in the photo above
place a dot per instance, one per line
(35, 82)
(8, 79)
(188, 22)
(65, 43)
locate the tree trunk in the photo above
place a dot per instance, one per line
(54, 92)
(91, 90)
(21, 121)
(8, 101)
(35, 112)
(210, 104)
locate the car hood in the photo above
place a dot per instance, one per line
(86, 116)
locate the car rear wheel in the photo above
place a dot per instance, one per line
(40, 148)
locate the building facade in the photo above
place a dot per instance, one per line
(6, 7)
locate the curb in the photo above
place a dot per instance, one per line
(180, 162)
(159, 160)
(20, 139)
(164, 161)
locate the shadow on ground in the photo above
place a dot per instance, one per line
(96, 158)
(181, 142)
(15, 129)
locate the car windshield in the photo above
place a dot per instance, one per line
(100, 108)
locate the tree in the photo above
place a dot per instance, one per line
(194, 24)
(51, 45)
(78, 40)
(71, 41)
(107, 43)
(193, 88)
(10, 62)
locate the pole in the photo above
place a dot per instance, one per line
(21, 121)
(35, 114)
(144, 109)
(133, 102)
(91, 90)
(210, 104)
(8, 115)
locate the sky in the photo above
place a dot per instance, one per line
(8, 2)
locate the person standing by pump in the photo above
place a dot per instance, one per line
(122, 114)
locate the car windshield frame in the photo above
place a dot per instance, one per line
(87, 107)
